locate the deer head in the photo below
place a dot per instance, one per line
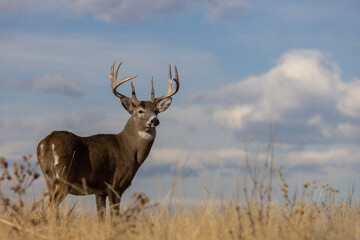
(144, 112)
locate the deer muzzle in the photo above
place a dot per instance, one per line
(155, 121)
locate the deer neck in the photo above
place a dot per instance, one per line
(138, 141)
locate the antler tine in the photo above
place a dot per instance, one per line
(176, 74)
(176, 88)
(152, 90)
(170, 77)
(115, 84)
(117, 70)
(133, 94)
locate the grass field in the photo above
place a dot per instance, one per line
(264, 209)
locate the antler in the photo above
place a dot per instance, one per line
(170, 92)
(115, 84)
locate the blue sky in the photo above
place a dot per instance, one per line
(242, 65)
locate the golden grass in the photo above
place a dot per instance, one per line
(218, 221)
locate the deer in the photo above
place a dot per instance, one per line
(103, 164)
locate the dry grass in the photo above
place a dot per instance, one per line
(264, 210)
(212, 221)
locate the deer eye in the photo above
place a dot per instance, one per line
(140, 111)
(156, 111)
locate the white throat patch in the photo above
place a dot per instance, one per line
(146, 135)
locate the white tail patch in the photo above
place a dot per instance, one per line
(56, 160)
(41, 152)
(146, 135)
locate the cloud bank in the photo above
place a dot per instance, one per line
(53, 83)
(128, 11)
(303, 93)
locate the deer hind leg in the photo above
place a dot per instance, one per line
(46, 163)
(56, 198)
(100, 205)
(57, 179)
(50, 184)
(58, 195)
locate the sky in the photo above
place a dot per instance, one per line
(245, 68)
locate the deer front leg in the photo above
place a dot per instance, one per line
(100, 205)
(114, 202)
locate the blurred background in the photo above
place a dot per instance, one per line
(246, 68)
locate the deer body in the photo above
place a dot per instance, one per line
(103, 164)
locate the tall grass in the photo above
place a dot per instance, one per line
(264, 209)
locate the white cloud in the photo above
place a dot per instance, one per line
(316, 120)
(220, 9)
(303, 93)
(349, 104)
(53, 83)
(193, 158)
(331, 157)
(234, 118)
(128, 11)
(167, 156)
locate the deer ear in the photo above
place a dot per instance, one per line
(128, 104)
(163, 104)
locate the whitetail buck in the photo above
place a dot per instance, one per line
(103, 164)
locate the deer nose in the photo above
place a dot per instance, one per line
(155, 121)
